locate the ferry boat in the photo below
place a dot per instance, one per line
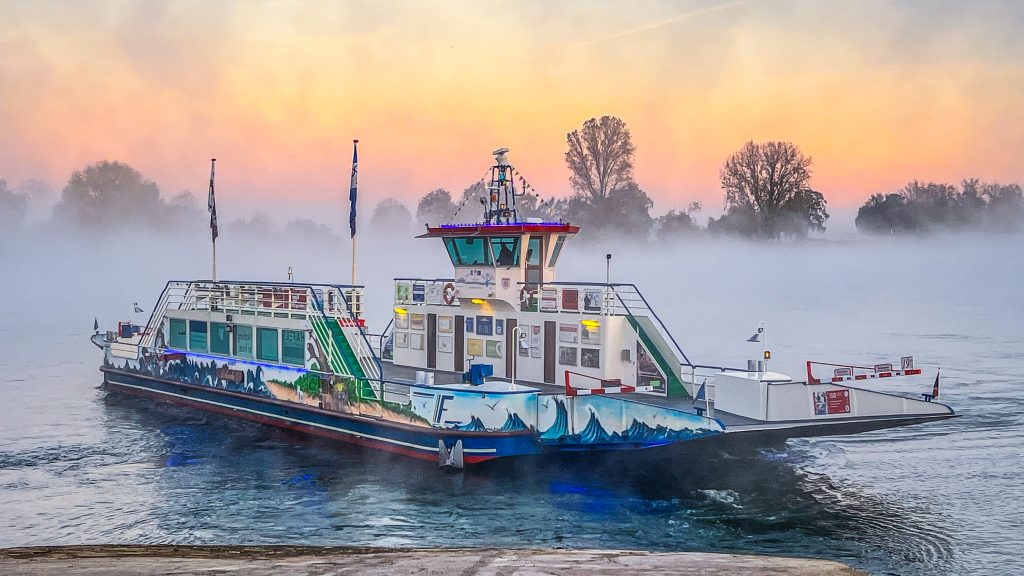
(498, 360)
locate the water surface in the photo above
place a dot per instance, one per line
(79, 465)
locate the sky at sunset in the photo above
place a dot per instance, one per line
(878, 92)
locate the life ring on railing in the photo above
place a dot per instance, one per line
(448, 294)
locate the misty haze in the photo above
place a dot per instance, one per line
(588, 246)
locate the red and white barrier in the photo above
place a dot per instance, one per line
(847, 372)
(870, 375)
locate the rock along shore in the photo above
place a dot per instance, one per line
(321, 561)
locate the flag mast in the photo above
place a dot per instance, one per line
(352, 205)
(211, 206)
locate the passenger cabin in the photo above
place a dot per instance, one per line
(504, 307)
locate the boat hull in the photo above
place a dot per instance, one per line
(412, 441)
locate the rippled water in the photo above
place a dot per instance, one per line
(79, 465)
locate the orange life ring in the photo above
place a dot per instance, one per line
(448, 294)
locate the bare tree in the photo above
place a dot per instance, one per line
(769, 179)
(600, 157)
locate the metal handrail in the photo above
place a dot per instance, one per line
(378, 369)
(382, 336)
(626, 307)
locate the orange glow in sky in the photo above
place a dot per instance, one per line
(878, 93)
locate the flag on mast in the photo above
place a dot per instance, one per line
(935, 387)
(211, 204)
(352, 189)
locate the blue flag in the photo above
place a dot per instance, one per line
(702, 392)
(352, 189)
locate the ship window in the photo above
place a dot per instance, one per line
(293, 347)
(557, 250)
(179, 335)
(220, 342)
(243, 341)
(198, 332)
(468, 251)
(266, 344)
(533, 253)
(505, 250)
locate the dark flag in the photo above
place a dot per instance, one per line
(211, 203)
(935, 387)
(352, 189)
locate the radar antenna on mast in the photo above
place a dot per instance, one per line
(500, 203)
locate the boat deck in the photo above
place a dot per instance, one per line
(734, 424)
(408, 374)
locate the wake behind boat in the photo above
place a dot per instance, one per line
(499, 360)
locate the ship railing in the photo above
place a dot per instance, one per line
(383, 351)
(315, 302)
(423, 291)
(369, 361)
(156, 315)
(606, 300)
(276, 299)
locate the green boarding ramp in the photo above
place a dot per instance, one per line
(662, 354)
(343, 358)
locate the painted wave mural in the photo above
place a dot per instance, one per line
(638, 432)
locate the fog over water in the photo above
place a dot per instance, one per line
(80, 466)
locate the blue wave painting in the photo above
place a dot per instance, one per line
(594, 433)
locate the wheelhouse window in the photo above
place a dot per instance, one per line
(505, 250)
(559, 242)
(468, 251)
(220, 341)
(293, 347)
(533, 252)
(243, 341)
(178, 337)
(198, 336)
(266, 344)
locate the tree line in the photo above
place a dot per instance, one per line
(920, 208)
(766, 191)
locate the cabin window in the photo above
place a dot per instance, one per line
(266, 344)
(178, 334)
(556, 250)
(534, 258)
(220, 341)
(243, 341)
(198, 332)
(505, 250)
(468, 251)
(293, 347)
(533, 252)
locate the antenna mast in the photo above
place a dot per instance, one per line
(500, 203)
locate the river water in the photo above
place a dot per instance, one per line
(79, 465)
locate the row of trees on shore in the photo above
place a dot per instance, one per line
(766, 188)
(766, 185)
